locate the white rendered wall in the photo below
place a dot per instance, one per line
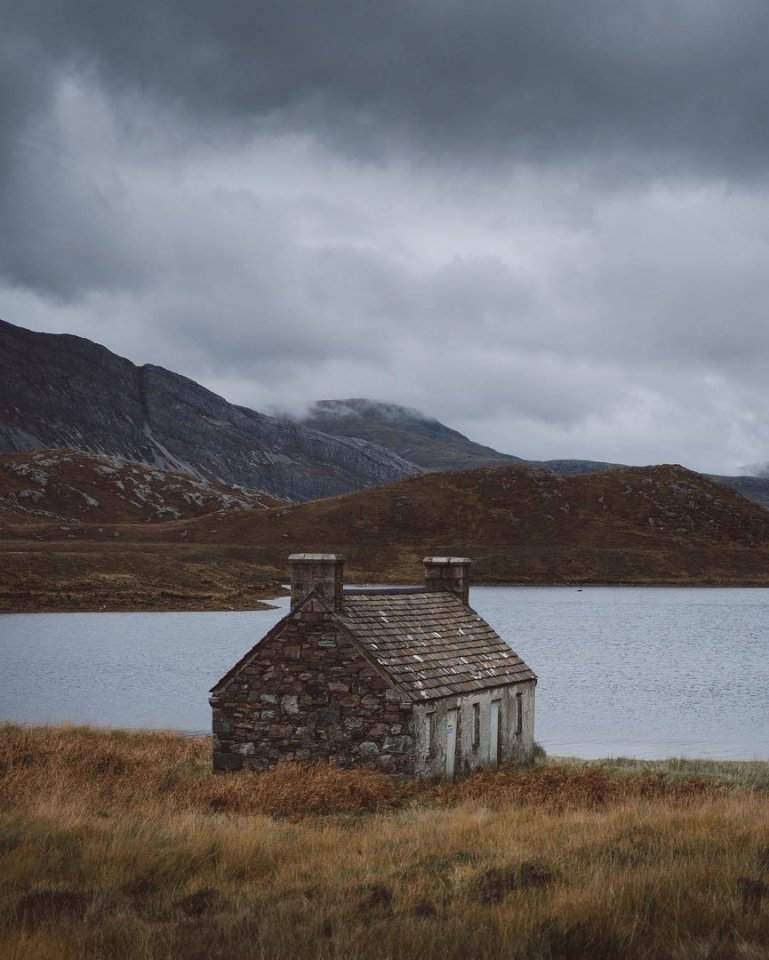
(513, 746)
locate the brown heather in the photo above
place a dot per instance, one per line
(121, 844)
(639, 525)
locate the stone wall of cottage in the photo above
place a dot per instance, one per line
(308, 695)
(474, 748)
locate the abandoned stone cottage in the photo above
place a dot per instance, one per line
(407, 680)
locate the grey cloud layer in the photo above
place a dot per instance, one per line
(664, 81)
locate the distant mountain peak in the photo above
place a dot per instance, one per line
(756, 470)
(360, 407)
(408, 432)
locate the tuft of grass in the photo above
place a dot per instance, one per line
(116, 845)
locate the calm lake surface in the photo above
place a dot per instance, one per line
(645, 672)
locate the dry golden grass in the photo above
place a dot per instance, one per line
(85, 575)
(125, 845)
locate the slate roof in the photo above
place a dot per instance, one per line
(431, 644)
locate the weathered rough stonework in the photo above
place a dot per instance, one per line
(307, 695)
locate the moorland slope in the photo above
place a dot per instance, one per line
(660, 524)
(639, 525)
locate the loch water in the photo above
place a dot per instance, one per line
(648, 672)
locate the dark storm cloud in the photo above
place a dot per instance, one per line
(667, 88)
(27, 74)
(663, 82)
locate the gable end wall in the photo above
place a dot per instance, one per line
(309, 695)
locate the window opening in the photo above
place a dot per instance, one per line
(452, 741)
(518, 714)
(494, 733)
(431, 734)
(476, 725)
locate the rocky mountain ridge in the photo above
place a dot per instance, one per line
(413, 435)
(62, 391)
(434, 446)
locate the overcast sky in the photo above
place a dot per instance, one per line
(545, 223)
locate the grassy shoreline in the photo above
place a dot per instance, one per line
(80, 600)
(117, 844)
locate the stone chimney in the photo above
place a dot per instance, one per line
(321, 572)
(448, 573)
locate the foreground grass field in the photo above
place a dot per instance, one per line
(125, 845)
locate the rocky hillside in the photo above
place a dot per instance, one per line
(421, 439)
(76, 487)
(409, 433)
(61, 391)
(434, 446)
